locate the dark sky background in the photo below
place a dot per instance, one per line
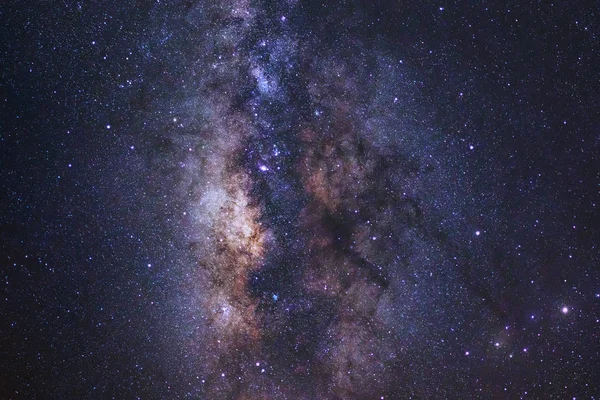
(242, 199)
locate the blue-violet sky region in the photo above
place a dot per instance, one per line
(240, 199)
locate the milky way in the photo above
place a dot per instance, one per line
(292, 204)
(239, 199)
(304, 214)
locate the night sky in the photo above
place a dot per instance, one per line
(238, 199)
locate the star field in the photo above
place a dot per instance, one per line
(242, 199)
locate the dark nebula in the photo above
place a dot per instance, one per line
(242, 199)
